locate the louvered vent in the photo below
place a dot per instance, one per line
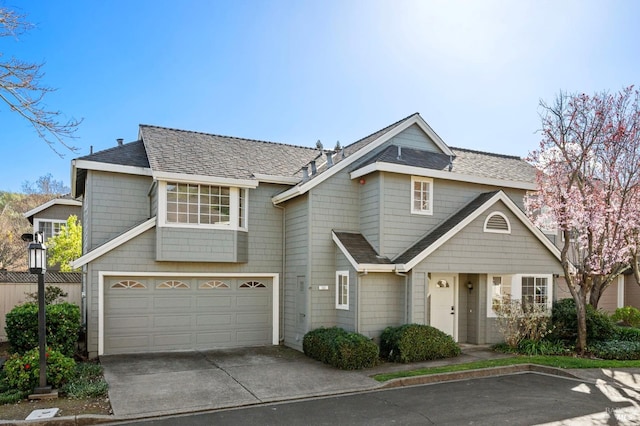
(497, 222)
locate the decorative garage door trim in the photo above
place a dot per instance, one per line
(255, 278)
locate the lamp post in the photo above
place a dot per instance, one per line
(38, 265)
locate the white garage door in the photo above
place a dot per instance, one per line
(177, 313)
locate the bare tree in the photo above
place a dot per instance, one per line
(22, 90)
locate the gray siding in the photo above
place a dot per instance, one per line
(401, 229)
(117, 202)
(200, 245)
(414, 137)
(417, 297)
(59, 212)
(297, 265)
(382, 303)
(475, 251)
(370, 213)
(333, 205)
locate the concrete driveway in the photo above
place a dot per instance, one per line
(178, 382)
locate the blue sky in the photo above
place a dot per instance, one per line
(299, 71)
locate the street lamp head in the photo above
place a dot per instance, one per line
(37, 255)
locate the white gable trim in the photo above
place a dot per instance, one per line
(112, 244)
(439, 174)
(285, 180)
(317, 180)
(57, 201)
(108, 167)
(361, 267)
(207, 180)
(500, 196)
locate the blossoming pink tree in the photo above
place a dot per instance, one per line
(589, 184)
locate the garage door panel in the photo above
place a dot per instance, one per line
(214, 320)
(220, 338)
(172, 302)
(204, 315)
(172, 321)
(211, 301)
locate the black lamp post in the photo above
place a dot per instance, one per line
(38, 265)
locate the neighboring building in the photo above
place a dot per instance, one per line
(194, 241)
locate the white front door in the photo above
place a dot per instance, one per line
(442, 291)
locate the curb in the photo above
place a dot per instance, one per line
(86, 420)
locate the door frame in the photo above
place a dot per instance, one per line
(432, 278)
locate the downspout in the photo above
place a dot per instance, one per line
(282, 280)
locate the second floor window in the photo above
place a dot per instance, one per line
(49, 228)
(421, 195)
(197, 204)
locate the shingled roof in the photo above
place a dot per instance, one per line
(359, 248)
(129, 154)
(185, 152)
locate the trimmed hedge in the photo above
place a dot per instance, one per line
(341, 349)
(416, 342)
(565, 320)
(627, 334)
(63, 327)
(616, 349)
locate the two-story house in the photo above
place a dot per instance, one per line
(195, 241)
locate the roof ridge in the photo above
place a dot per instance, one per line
(384, 128)
(113, 148)
(227, 137)
(475, 151)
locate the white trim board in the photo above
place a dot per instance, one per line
(275, 277)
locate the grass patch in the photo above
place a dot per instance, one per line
(88, 382)
(550, 361)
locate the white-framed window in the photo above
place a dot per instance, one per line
(342, 290)
(421, 195)
(202, 205)
(48, 227)
(526, 288)
(497, 222)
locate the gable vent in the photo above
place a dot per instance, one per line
(497, 222)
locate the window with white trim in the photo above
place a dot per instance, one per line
(49, 228)
(421, 195)
(205, 205)
(528, 289)
(498, 223)
(342, 290)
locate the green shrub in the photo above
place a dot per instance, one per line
(616, 349)
(63, 326)
(52, 294)
(12, 396)
(565, 321)
(341, 349)
(416, 342)
(628, 316)
(88, 382)
(628, 334)
(23, 371)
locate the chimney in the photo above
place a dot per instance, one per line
(399, 152)
(91, 149)
(119, 140)
(450, 162)
(305, 173)
(329, 158)
(313, 167)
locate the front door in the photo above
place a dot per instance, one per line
(442, 314)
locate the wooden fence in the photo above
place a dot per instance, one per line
(13, 294)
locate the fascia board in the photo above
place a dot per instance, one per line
(202, 179)
(440, 174)
(305, 187)
(116, 242)
(59, 201)
(500, 196)
(285, 180)
(109, 167)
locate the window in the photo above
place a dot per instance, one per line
(497, 222)
(421, 195)
(49, 228)
(252, 284)
(528, 289)
(342, 290)
(535, 292)
(197, 204)
(172, 284)
(215, 284)
(126, 284)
